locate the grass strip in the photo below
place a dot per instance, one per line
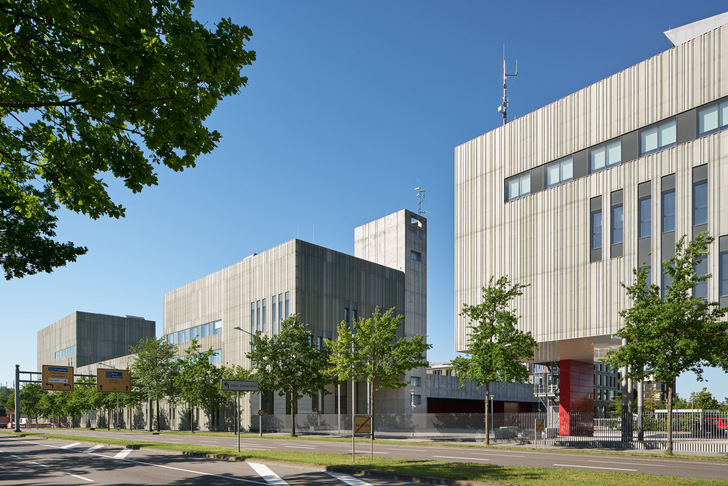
(489, 473)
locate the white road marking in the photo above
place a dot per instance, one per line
(596, 467)
(94, 448)
(265, 473)
(492, 454)
(68, 446)
(41, 465)
(364, 452)
(81, 477)
(352, 481)
(462, 458)
(300, 447)
(622, 463)
(123, 453)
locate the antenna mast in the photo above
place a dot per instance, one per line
(420, 198)
(504, 106)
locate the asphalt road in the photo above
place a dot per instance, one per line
(645, 463)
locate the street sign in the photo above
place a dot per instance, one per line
(239, 385)
(113, 381)
(362, 424)
(57, 378)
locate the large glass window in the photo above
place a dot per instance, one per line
(263, 320)
(217, 327)
(287, 308)
(605, 155)
(596, 230)
(645, 217)
(252, 315)
(701, 268)
(216, 356)
(518, 186)
(723, 273)
(712, 118)
(617, 224)
(658, 137)
(559, 172)
(668, 211)
(666, 281)
(700, 203)
(273, 315)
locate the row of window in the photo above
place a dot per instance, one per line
(280, 310)
(195, 332)
(660, 136)
(66, 352)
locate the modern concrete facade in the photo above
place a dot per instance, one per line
(83, 338)
(570, 198)
(324, 287)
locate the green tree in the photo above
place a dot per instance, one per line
(371, 351)
(153, 371)
(704, 400)
(197, 380)
(30, 400)
(678, 332)
(92, 90)
(495, 343)
(290, 363)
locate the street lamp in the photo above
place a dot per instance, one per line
(260, 394)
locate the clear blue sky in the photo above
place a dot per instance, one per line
(349, 107)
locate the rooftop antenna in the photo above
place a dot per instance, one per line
(504, 106)
(420, 199)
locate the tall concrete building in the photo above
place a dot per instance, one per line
(324, 287)
(83, 338)
(571, 197)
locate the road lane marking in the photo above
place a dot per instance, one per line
(300, 447)
(596, 467)
(351, 481)
(493, 454)
(81, 477)
(68, 446)
(265, 473)
(123, 453)
(94, 448)
(622, 463)
(462, 458)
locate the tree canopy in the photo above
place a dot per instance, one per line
(93, 90)
(152, 368)
(495, 343)
(677, 332)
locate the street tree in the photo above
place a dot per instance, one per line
(290, 363)
(153, 371)
(372, 351)
(495, 343)
(30, 400)
(677, 332)
(92, 91)
(197, 381)
(704, 400)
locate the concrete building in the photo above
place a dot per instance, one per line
(83, 338)
(571, 197)
(324, 287)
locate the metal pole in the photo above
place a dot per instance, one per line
(338, 411)
(17, 398)
(260, 417)
(237, 422)
(353, 413)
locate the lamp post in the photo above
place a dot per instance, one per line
(260, 394)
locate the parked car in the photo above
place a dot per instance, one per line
(710, 425)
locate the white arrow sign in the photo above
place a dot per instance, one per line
(239, 385)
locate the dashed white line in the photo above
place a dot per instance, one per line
(94, 448)
(299, 447)
(68, 446)
(123, 453)
(462, 458)
(622, 463)
(596, 467)
(351, 481)
(266, 473)
(81, 477)
(492, 454)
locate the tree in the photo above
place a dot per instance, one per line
(704, 400)
(153, 371)
(371, 351)
(495, 343)
(92, 90)
(30, 400)
(290, 363)
(678, 332)
(197, 380)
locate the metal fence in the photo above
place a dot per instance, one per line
(692, 430)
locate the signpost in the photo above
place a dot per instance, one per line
(57, 378)
(242, 386)
(113, 381)
(362, 425)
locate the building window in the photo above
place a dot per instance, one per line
(287, 308)
(617, 224)
(217, 327)
(216, 356)
(666, 281)
(416, 399)
(658, 137)
(415, 255)
(668, 211)
(66, 352)
(263, 318)
(415, 380)
(280, 308)
(645, 217)
(273, 322)
(596, 230)
(605, 155)
(701, 288)
(252, 315)
(257, 316)
(723, 273)
(518, 186)
(712, 118)
(559, 172)
(700, 203)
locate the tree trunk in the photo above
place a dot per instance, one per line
(158, 422)
(192, 427)
(371, 407)
(668, 449)
(487, 397)
(294, 409)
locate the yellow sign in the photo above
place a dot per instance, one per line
(58, 378)
(362, 424)
(540, 425)
(113, 381)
